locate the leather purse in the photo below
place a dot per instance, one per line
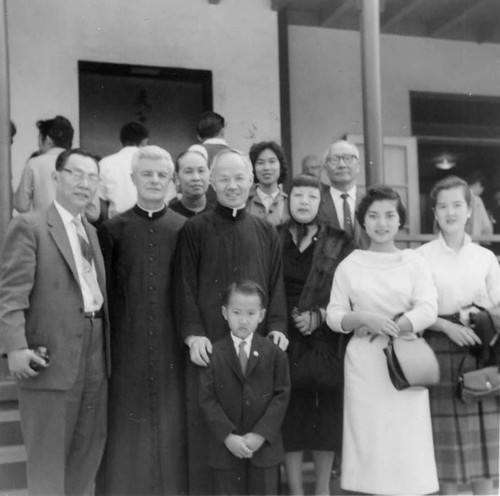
(320, 367)
(479, 385)
(411, 362)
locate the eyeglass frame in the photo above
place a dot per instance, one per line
(78, 176)
(335, 159)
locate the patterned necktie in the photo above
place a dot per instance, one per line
(242, 355)
(348, 227)
(88, 273)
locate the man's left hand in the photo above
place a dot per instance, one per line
(279, 339)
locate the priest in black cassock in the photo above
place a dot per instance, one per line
(146, 445)
(215, 249)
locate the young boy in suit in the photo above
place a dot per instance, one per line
(244, 394)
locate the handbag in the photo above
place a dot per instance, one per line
(320, 367)
(411, 362)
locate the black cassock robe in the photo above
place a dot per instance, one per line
(215, 249)
(146, 444)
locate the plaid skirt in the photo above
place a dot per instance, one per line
(466, 436)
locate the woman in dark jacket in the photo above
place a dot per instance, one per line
(311, 254)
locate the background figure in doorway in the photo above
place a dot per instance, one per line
(146, 448)
(37, 188)
(311, 164)
(267, 199)
(479, 223)
(210, 132)
(117, 188)
(311, 253)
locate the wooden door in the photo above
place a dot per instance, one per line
(400, 171)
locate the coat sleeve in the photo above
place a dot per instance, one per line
(269, 425)
(187, 261)
(276, 313)
(107, 244)
(217, 420)
(17, 276)
(24, 193)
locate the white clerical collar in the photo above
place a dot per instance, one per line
(150, 212)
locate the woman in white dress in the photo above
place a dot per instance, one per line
(465, 435)
(377, 293)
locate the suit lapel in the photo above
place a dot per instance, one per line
(255, 353)
(60, 237)
(230, 356)
(329, 212)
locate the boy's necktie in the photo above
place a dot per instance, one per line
(242, 355)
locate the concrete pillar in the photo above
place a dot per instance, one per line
(5, 167)
(372, 99)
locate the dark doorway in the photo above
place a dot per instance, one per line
(456, 134)
(168, 101)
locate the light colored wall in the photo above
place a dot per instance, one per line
(325, 81)
(236, 39)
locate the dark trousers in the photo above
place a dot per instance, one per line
(65, 431)
(247, 479)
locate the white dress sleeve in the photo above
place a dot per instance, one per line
(339, 303)
(425, 297)
(493, 280)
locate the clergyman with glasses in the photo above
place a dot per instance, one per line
(54, 330)
(338, 200)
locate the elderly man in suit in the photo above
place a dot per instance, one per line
(338, 201)
(52, 293)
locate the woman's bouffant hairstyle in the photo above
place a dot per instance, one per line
(450, 182)
(257, 148)
(307, 180)
(378, 193)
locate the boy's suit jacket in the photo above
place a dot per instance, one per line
(256, 402)
(40, 297)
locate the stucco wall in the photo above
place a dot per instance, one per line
(236, 39)
(325, 81)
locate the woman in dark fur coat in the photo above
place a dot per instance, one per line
(311, 254)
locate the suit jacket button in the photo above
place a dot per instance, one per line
(247, 402)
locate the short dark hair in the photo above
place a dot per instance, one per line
(450, 182)
(187, 152)
(245, 287)
(476, 177)
(63, 157)
(378, 193)
(132, 133)
(209, 125)
(58, 129)
(257, 148)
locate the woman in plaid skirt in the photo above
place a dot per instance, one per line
(466, 436)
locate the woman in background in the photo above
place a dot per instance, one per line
(464, 273)
(377, 294)
(311, 254)
(267, 199)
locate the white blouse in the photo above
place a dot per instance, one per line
(471, 275)
(385, 283)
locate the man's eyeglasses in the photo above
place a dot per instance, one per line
(348, 159)
(78, 176)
